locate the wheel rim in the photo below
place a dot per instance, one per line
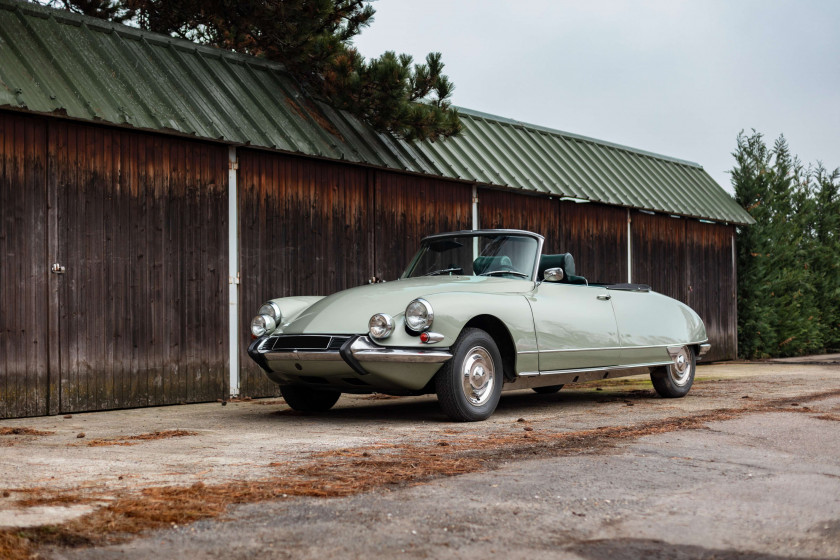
(681, 368)
(479, 376)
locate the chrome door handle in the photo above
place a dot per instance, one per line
(604, 298)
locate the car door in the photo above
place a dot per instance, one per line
(575, 327)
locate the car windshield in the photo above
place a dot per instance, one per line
(506, 255)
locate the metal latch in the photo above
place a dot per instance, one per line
(57, 269)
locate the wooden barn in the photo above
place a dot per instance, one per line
(153, 193)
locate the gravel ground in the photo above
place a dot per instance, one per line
(763, 482)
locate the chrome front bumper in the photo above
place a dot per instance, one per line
(355, 350)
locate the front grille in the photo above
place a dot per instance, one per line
(310, 342)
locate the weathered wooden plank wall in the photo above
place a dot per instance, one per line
(498, 209)
(596, 236)
(712, 284)
(659, 253)
(141, 230)
(408, 209)
(139, 223)
(24, 335)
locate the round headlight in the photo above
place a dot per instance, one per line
(381, 325)
(272, 310)
(419, 315)
(262, 324)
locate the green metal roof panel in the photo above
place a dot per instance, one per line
(53, 62)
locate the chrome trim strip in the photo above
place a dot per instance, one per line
(704, 349)
(365, 350)
(589, 370)
(607, 348)
(540, 243)
(302, 356)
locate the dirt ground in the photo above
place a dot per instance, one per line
(746, 466)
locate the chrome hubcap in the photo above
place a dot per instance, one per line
(681, 368)
(478, 374)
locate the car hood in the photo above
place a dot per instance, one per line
(349, 311)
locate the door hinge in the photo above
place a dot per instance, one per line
(232, 280)
(233, 165)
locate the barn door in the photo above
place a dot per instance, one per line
(138, 245)
(24, 352)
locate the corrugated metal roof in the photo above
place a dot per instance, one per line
(53, 62)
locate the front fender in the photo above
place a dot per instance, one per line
(454, 310)
(292, 307)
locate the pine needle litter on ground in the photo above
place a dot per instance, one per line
(337, 473)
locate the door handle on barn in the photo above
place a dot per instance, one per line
(57, 269)
(604, 298)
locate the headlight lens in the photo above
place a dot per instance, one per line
(272, 310)
(381, 325)
(419, 315)
(262, 324)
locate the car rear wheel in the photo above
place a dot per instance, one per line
(674, 380)
(547, 390)
(304, 399)
(470, 384)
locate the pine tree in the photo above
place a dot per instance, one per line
(825, 231)
(752, 191)
(313, 40)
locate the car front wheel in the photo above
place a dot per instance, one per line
(304, 399)
(469, 385)
(674, 380)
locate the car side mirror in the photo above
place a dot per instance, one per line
(554, 275)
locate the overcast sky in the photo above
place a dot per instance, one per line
(679, 78)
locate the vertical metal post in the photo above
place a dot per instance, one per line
(233, 272)
(629, 250)
(475, 224)
(734, 300)
(475, 207)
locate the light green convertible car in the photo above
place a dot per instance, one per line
(474, 313)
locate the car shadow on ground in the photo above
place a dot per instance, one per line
(410, 410)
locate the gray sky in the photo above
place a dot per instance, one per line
(679, 78)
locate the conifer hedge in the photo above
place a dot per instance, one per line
(789, 260)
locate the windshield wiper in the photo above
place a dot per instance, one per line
(444, 271)
(500, 272)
